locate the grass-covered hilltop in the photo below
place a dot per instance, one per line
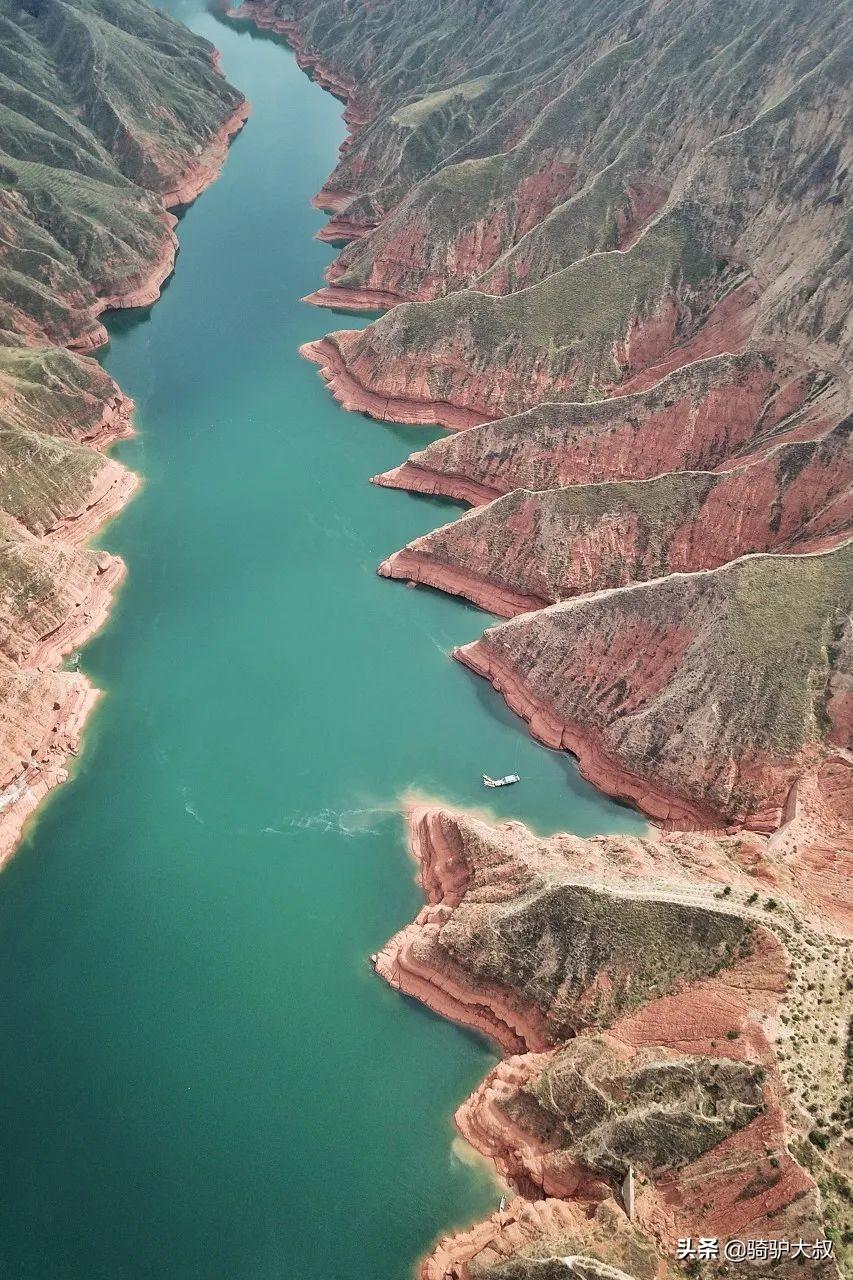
(110, 114)
(612, 244)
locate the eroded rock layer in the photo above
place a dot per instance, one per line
(711, 415)
(529, 549)
(723, 263)
(110, 114)
(681, 1117)
(702, 697)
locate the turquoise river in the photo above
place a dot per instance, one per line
(201, 1077)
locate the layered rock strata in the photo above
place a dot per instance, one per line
(690, 1091)
(548, 1240)
(530, 549)
(497, 154)
(701, 697)
(708, 416)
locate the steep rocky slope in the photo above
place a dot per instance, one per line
(703, 277)
(702, 697)
(593, 165)
(697, 1086)
(549, 1240)
(530, 549)
(706, 416)
(111, 114)
(486, 131)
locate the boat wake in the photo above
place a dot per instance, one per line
(346, 822)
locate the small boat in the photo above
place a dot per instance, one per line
(506, 781)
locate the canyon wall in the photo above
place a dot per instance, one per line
(653, 1025)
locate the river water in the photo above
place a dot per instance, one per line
(201, 1077)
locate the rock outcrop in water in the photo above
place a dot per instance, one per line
(112, 114)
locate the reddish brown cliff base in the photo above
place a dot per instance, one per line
(538, 1115)
(352, 394)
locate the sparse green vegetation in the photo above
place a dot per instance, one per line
(81, 209)
(655, 1115)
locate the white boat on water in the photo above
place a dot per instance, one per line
(506, 781)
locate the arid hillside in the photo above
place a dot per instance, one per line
(653, 998)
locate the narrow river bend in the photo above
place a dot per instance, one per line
(202, 1079)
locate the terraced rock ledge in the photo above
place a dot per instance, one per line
(650, 1021)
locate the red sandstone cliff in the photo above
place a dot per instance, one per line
(704, 417)
(700, 697)
(530, 549)
(566, 1121)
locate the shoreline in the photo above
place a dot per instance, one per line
(490, 1010)
(328, 77)
(112, 489)
(412, 478)
(541, 1176)
(197, 177)
(410, 566)
(352, 395)
(21, 797)
(355, 300)
(665, 810)
(22, 791)
(207, 166)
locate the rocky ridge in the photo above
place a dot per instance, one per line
(701, 697)
(653, 1026)
(529, 548)
(112, 115)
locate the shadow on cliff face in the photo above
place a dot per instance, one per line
(349, 312)
(123, 321)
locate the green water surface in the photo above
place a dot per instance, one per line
(201, 1078)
